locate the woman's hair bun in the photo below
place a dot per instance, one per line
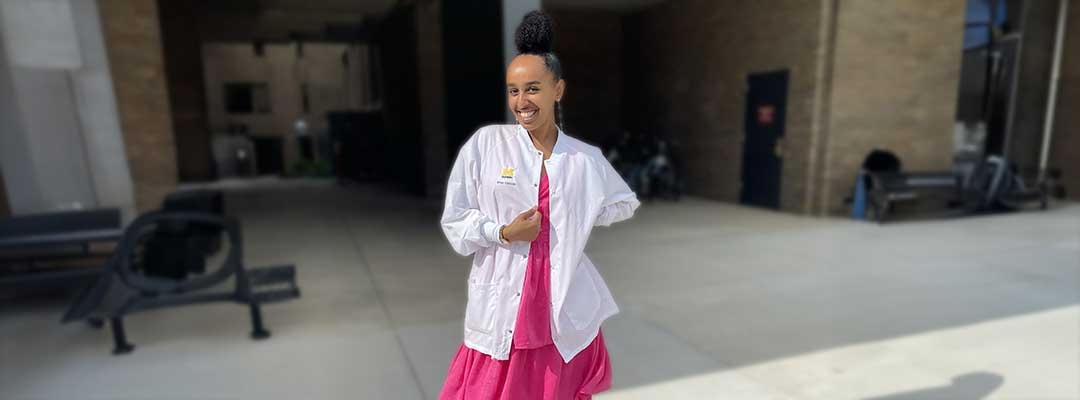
(534, 35)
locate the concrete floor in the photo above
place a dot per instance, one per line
(719, 302)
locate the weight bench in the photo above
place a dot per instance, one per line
(127, 285)
(887, 188)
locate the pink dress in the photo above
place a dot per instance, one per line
(535, 369)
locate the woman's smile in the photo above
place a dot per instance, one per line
(527, 116)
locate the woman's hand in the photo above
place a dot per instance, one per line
(524, 228)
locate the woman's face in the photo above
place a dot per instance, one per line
(531, 92)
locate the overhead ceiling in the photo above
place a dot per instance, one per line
(368, 7)
(379, 7)
(274, 20)
(250, 7)
(613, 5)
(225, 20)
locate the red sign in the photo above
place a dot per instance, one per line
(766, 114)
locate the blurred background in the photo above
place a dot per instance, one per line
(870, 199)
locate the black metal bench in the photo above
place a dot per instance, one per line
(888, 188)
(27, 242)
(128, 286)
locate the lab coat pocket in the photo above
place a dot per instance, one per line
(510, 196)
(582, 300)
(480, 312)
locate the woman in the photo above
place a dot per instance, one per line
(522, 199)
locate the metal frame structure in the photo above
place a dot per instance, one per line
(122, 289)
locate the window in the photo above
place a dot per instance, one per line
(247, 98)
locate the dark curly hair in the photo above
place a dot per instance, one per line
(535, 36)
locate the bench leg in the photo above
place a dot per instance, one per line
(883, 211)
(120, 343)
(258, 331)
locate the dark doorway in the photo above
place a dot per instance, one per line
(403, 149)
(361, 145)
(766, 108)
(269, 155)
(474, 68)
(181, 48)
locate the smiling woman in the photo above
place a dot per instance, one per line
(523, 199)
(534, 84)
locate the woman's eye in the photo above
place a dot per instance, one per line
(513, 91)
(534, 89)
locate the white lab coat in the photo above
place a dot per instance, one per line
(496, 177)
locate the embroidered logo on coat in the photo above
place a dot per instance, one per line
(507, 177)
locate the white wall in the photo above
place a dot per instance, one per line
(61, 146)
(16, 162)
(40, 33)
(57, 154)
(98, 115)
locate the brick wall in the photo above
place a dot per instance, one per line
(133, 41)
(589, 44)
(687, 67)
(1066, 136)
(863, 74)
(895, 75)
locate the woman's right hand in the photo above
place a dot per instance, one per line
(524, 228)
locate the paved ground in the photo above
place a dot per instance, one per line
(719, 302)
